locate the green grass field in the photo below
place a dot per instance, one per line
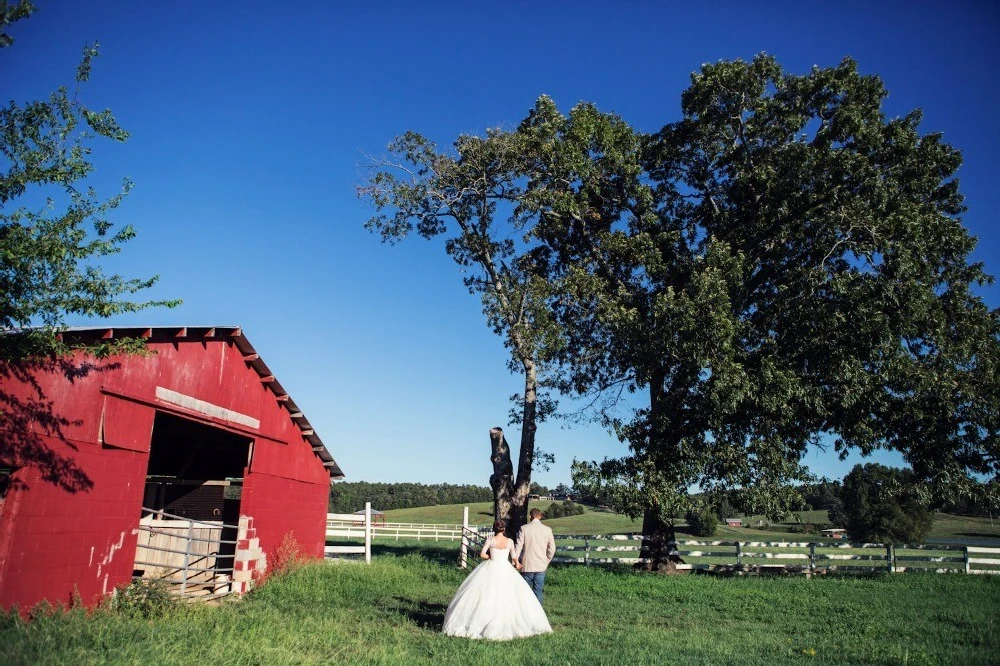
(390, 613)
(599, 521)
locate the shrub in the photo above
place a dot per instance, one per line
(702, 522)
(288, 557)
(144, 599)
(567, 508)
(882, 504)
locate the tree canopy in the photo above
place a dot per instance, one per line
(54, 229)
(783, 267)
(467, 195)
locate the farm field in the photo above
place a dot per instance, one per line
(599, 521)
(391, 612)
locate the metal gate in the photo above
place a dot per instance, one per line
(195, 558)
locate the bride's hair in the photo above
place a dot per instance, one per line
(499, 526)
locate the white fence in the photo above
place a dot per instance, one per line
(350, 526)
(424, 531)
(624, 549)
(805, 557)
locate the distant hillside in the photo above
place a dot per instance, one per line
(351, 497)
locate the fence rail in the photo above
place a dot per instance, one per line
(624, 549)
(806, 557)
(350, 526)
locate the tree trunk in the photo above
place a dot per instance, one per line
(510, 496)
(502, 479)
(660, 539)
(660, 544)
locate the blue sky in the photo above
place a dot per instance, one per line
(249, 120)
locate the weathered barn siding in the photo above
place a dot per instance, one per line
(55, 539)
(54, 543)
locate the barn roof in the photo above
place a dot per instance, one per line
(250, 355)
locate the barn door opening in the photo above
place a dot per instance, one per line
(194, 482)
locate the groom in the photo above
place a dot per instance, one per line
(534, 549)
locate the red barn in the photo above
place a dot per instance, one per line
(197, 428)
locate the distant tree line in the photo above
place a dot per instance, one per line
(350, 497)
(829, 496)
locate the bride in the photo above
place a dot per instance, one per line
(494, 602)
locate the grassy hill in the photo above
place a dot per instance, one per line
(602, 521)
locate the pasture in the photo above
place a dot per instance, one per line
(390, 613)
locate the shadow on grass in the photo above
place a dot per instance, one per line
(978, 535)
(424, 614)
(439, 553)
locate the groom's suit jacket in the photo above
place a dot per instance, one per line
(535, 546)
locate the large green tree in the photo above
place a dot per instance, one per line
(782, 265)
(469, 196)
(54, 231)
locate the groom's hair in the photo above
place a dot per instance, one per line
(499, 526)
(535, 514)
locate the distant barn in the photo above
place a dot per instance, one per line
(95, 450)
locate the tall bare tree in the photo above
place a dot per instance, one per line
(471, 197)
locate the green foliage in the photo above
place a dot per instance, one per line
(537, 489)
(473, 196)
(824, 495)
(565, 509)
(723, 509)
(50, 251)
(11, 14)
(702, 522)
(782, 264)
(883, 505)
(348, 497)
(146, 599)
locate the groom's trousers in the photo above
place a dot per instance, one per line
(535, 580)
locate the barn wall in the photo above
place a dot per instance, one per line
(52, 540)
(280, 506)
(57, 541)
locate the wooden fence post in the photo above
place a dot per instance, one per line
(586, 552)
(812, 558)
(890, 558)
(739, 553)
(368, 532)
(463, 552)
(965, 551)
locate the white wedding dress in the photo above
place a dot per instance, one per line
(495, 603)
